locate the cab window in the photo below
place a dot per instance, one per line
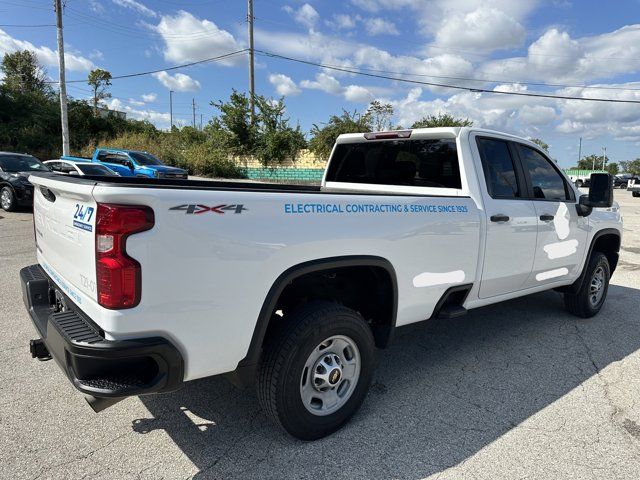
(499, 168)
(546, 182)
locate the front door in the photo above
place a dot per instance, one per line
(562, 234)
(511, 220)
(115, 162)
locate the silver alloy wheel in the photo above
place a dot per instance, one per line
(596, 287)
(330, 375)
(5, 199)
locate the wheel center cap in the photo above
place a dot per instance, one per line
(334, 376)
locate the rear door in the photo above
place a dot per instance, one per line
(511, 220)
(64, 216)
(562, 234)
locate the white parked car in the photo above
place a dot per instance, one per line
(144, 284)
(67, 167)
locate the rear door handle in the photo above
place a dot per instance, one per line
(499, 218)
(546, 217)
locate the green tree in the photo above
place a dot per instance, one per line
(324, 137)
(23, 73)
(99, 80)
(631, 166)
(612, 168)
(276, 139)
(380, 115)
(591, 162)
(234, 122)
(442, 120)
(544, 146)
(270, 138)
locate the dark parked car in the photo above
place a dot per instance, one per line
(621, 181)
(15, 189)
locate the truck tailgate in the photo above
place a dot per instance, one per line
(64, 215)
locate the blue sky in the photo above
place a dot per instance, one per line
(502, 45)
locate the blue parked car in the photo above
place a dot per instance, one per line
(132, 163)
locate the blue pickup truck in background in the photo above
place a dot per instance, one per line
(132, 163)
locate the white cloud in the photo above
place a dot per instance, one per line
(351, 93)
(160, 119)
(284, 85)
(135, 102)
(305, 15)
(96, 55)
(537, 115)
(48, 57)
(149, 97)
(358, 94)
(178, 82)
(342, 21)
(377, 5)
(136, 6)
(380, 26)
(188, 38)
(323, 82)
(96, 7)
(482, 29)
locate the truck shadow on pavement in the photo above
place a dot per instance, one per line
(442, 392)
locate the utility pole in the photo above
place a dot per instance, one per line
(201, 122)
(251, 79)
(579, 151)
(193, 110)
(171, 109)
(604, 157)
(63, 85)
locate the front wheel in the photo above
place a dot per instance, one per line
(7, 199)
(316, 372)
(579, 183)
(589, 299)
(635, 194)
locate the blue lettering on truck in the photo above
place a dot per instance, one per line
(336, 208)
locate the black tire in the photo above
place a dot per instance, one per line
(579, 183)
(581, 304)
(635, 194)
(283, 362)
(8, 201)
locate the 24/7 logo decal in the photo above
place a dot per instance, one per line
(197, 209)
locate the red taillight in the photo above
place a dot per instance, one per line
(386, 135)
(118, 275)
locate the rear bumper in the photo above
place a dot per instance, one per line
(96, 366)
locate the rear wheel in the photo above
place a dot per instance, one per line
(589, 299)
(7, 199)
(315, 373)
(579, 183)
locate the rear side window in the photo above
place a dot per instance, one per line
(546, 181)
(418, 163)
(499, 169)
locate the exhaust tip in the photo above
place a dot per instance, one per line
(99, 404)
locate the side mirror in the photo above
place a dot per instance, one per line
(600, 194)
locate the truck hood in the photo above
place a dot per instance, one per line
(166, 169)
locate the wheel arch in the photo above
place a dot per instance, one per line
(606, 241)
(246, 367)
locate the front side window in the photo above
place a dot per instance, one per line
(499, 169)
(144, 158)
(89, 169)
(418, 163)
(546, 181)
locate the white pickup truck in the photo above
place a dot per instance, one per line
(144, 284)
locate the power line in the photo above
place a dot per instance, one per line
(184, 65)
(27, 26)
(442, 85)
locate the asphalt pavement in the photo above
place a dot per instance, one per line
(517, 390)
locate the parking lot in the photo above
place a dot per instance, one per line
(517, 390)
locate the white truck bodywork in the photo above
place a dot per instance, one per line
(206, 275)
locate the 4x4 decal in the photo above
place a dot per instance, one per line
(197, 209)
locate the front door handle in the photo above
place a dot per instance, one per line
(499, 218)
(546, 217)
